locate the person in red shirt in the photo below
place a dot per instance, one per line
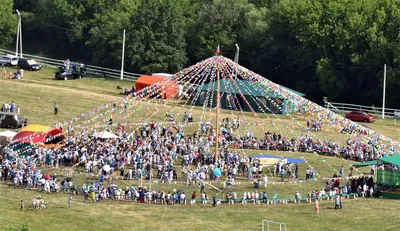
(193, 201)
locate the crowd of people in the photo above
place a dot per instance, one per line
(153, 150)
(355, 148)
(153, 146)
(19, 74)
(68, 65)
(10, 107)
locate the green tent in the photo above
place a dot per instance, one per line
(235, 93)
(393, 159)
(244, 87)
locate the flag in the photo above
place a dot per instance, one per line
(217, 51)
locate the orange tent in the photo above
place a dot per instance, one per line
(168, 87)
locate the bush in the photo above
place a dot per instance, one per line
(20, 227)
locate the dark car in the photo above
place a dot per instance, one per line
(360, 116)
(65, 75)
(11, 120)
(29, 64)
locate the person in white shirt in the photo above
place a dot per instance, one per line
(130, 174)
(297, 197)
(365, 189)
(256, 198)
(265, 181)
(244, 198)
(180, 90)
(371, 191)
(183, 198)
(149, 196)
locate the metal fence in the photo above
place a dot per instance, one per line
(93, 71)
(346, 107)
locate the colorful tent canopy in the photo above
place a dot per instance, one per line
(38, 134)
(271, 160)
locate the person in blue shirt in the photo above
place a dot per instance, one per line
(101, 178)
(282, 174)
(264, 197)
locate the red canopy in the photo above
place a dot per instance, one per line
(48, 135)
(168, 87)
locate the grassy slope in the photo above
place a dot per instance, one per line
(36, 95)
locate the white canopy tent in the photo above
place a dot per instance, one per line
(6, 136)
(105, 135)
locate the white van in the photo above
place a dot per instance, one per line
(9, 60)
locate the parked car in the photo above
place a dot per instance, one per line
(29, 64)
(397, 114)
(70, 74)
(360, 116)
(12, 120)
(9, 60)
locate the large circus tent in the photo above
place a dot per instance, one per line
(211, 77)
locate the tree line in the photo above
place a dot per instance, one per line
(320, 47)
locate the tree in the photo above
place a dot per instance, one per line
(218, 22)
(8, 23)
(156, 37)
(105, 35)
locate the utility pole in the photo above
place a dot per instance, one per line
(123, 56)
(237, 53)
(384, 92)
(19, 34)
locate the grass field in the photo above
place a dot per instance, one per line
(36, 95)
(361, 214)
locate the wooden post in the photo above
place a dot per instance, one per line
(217, 116)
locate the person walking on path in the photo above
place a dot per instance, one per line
(316, 207)
(70, 201)
(55, 108)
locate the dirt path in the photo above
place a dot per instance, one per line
(106, 96)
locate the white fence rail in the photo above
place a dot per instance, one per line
(345, 107)
(90, 70)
